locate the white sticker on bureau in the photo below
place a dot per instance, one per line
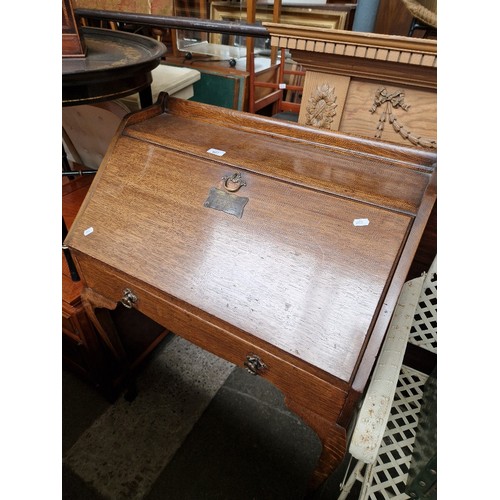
(216, 152)
(360, 222)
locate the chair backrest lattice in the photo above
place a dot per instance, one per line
(386, 478)
(385, 436)
(423, 332)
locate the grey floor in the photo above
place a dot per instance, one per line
(180, 439)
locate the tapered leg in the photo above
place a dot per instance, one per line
(146, 97)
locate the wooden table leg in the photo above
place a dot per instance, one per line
(146, 97)
(91, 301)
(107, 331)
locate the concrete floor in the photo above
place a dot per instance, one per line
(203, 430)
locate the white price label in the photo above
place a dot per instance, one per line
(216, 152)
(361, 222)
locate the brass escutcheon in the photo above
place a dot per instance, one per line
(254, 364)
(128, 299)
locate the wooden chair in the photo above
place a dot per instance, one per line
(286, 91)
(383, 440)
(291, 82)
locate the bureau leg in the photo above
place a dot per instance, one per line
(332, 437)
(106, 329)
(92, 301)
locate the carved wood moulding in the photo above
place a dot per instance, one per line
(367, 55)
(414, 51)
(365, 84)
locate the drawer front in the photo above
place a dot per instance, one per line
(305, 387)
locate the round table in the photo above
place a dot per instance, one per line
(116, 64)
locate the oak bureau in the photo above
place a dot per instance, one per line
(279, 247)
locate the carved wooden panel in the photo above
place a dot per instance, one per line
(391, 83)
(323, 100)
(394, 113)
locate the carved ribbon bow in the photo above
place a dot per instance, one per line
(396, 99)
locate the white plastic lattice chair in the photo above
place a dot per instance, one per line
(383, 439)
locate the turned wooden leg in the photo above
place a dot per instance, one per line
(332, 437)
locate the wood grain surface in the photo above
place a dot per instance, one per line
(294, 270)
(420, 118)
(307, 277)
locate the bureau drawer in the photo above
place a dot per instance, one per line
(292, 375)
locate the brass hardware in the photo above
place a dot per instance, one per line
(254, 364)
(229, 203)
(233, 182)
(128, 298)
(226, 201)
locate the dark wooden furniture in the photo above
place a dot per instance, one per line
(251, 86)
(278, 247)
(117, 64)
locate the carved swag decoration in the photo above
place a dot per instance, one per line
(321, 107)
(394, 101)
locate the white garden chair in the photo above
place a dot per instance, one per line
(383, 439)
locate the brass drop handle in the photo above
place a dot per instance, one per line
(233, 182)
(254, 364)
(128, 298)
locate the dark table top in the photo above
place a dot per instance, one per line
(117, 64)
